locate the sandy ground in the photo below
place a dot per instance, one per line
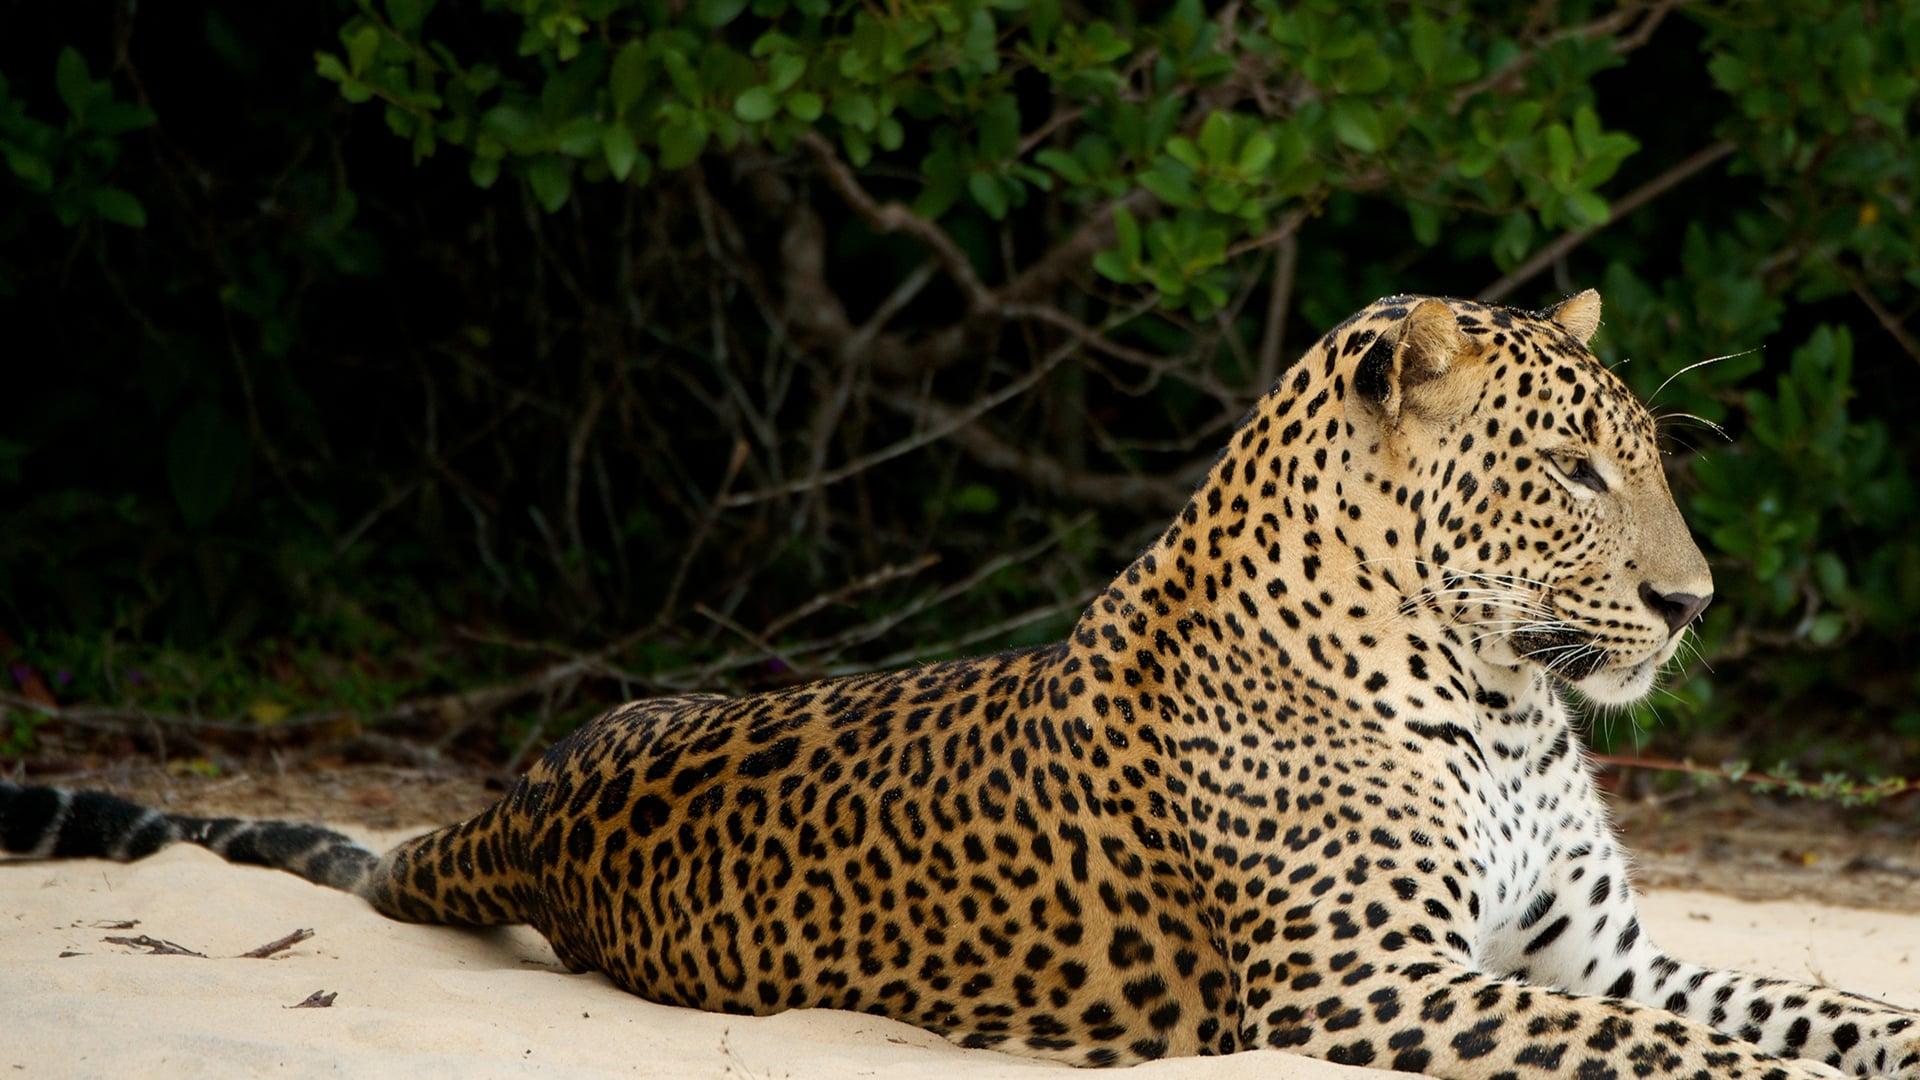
(430, 1001)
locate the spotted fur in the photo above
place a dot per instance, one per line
(1301, 777)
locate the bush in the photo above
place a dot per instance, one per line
(727, 342)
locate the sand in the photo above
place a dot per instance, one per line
(430, 1001)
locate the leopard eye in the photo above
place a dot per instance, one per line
(1580, 470)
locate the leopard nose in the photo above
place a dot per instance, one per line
(1678, 608)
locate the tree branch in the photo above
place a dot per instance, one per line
(1605, 26)
(895, 217)
(1278, 304)
(1048, 474)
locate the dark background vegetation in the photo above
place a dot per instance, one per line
(417, 380)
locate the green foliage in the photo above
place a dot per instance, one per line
(69, 161)
(609, 90)
(588, 316)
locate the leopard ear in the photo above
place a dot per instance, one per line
(1395, 373)
(1578, 315)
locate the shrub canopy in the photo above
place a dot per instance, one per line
(387, 348)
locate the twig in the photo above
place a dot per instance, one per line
(874, 580)
(895, 217)
(276, 945)
(970, 638)
(1072, 253)
(1605, 26)
(157, 946)
(1279, 302)
(911, 443)
(1046, 473)
(1289, 224)
(1887, 319)
(1686, 169)
(708, 515)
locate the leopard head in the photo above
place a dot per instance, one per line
(1522, 482)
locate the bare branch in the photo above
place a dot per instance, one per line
(1279, 303)
(1095, 233)
(277, 945)
(1649, 14)
(1889, 321)
(913, 442)
(1151, 493)
(894, 217)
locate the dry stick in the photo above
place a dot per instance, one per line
(895, 217)
(697, 541)
(1273, 335)
(911, 443)
(1071, 254)
(970, 638)
(853, 588)
(158, 947)
(1888, 320)
(276, 945)
(1045, 472)
(860, 635)
(1289, 225)
(1693, 164)
(1605, 26)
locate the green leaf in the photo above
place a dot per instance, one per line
(362, 47)
(988, 190)
(1356, 124)
(483, 171)
(1126, 234)
(805, 105)
(680, 73)
(205, 453)
(856, 111)
(756, 105)
(552, 180)
(629, 79)
(118, 207)
(1216, 138)
(785, 70)
(329, 67)
(32, 169)
(71, 79)
(975, 499)
(1587, 208)
(681, 144)
(718, 13)
(1514, 239)
(1425, 218)
(578, 137)
(109, 117)
(1559, 152)
(1111, 266)
(1063, 163)
(617, 144)
(407, 15)
(1427, 41)
(1258, 152)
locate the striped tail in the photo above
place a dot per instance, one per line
(430, 879)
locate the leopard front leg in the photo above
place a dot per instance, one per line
(1433, 1014)
(1582, 932)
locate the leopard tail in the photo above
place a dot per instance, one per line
(464, 875)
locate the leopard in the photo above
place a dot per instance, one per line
(1308, 774)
